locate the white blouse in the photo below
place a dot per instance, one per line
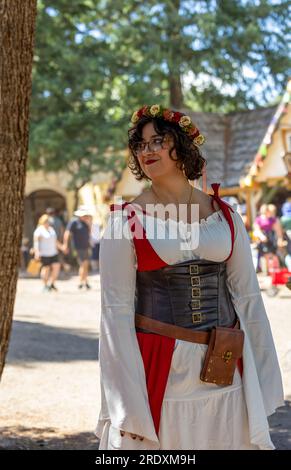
(45, 240)
(194, 415)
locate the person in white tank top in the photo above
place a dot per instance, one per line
(46, 248)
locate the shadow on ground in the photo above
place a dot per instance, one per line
(42, 343)
(21, 438)
(280, 427)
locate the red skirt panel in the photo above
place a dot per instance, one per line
(157, 352)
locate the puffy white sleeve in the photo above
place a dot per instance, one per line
(122, 372)
(247, 299)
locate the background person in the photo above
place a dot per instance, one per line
(24, 253)
(286, 225)
(56, 222)
(46, 247)
(80, 228)
(268, 230)
(59, 227)
(95, 241)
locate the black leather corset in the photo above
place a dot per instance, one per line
(192, 294)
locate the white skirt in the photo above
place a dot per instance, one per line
(195, 415)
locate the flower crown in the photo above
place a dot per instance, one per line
(172, 116)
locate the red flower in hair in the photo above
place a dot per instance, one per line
(168, 114)
(177, 116)
(194, 132)
(141, 111)
(184, 121)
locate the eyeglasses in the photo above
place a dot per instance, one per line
(154, 145)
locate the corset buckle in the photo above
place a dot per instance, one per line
(195, 281)
(197, 317)
(194, 269)
(195, 304)
(196, 292)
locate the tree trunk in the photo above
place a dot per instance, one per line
(176, 93)
(17, 19)
(174, 35)
(76, 198)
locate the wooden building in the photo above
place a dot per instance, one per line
(247, 152)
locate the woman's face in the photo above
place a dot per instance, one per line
(156, 163)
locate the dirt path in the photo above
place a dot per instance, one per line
(49, 393)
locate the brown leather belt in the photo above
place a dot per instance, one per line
(173, 331)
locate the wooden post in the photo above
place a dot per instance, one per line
(249, 220)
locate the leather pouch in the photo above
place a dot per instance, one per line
(224, 349)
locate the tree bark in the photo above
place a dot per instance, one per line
(17, 20)
(174, 35)
(176, 93)
(76, 198)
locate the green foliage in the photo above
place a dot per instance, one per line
(97, 61)
(77, 117)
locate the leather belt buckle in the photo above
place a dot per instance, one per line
(195, 281)
(195, 304)
(196, 292)
(194, 269)
(197, 317)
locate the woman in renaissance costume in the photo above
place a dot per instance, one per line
(187, 356)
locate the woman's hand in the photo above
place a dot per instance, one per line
(60, 246)
(65, 249)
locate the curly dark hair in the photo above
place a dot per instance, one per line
(188, 154)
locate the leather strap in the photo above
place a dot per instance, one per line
(173, 331)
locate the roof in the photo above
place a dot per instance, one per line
(232, 142)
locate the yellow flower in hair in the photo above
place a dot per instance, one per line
(185, 121)
(155, 109)
(134, 117)
(199, 139)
